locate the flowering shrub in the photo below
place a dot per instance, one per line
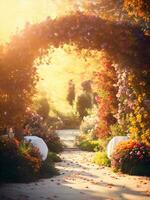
(53, 141)
(117, 130)
(132, 157)
(139, 118)
(88, 124)
(37, 127)
(19, 161)
(133, 114)
(35, 124)
(107, 101)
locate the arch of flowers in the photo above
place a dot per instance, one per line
(126, 67)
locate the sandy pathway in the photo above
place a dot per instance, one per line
(80, 180)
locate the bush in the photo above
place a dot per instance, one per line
(132, 157)
(54, 122)
(70, 121)
(53, 157)
(117, 130)
(19, 161)
(44, 108)
(53, 142)
(48, 168)
(100, 158)
(88, 125)
(89, 145)
(103, 144)
(37, 127)
(35, 124)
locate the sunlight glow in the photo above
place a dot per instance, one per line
(14, 14)
(63, 67)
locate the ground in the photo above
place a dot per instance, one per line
(80, 180)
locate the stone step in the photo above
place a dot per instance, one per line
(71, 149)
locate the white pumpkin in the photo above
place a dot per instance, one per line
(113, 142)
(39, 143)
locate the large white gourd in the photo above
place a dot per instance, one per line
(39, 143)
(113, 142)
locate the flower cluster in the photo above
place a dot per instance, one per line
(133, 115)
(139, 117)
(131, 157)
(107, 101)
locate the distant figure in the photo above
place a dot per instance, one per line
(85, 100)
(71, 92)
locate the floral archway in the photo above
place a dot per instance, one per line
(127, 49)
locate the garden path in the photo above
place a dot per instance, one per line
(80, 180)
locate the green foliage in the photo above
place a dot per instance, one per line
(84, 103)
(53, 157)
(44, 108)
(69, 121)
(117, 130)
(100, 158)
(89, 145)
(53, 141)
(103, 144)
(48, 168)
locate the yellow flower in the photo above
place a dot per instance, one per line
(133, 130)
(142, 125)
(133, 122)
(139, 118)
(139, 99)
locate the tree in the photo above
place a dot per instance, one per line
(44, 108)
(85, 100)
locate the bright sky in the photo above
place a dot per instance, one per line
(15, 13)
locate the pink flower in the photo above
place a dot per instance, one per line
(138, 153)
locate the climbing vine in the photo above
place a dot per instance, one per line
(125, 44)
